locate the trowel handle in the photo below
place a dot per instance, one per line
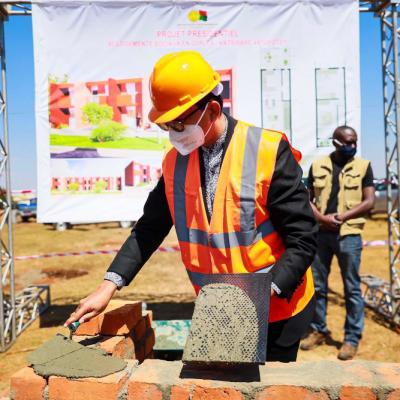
(73, 326)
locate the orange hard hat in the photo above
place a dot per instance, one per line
(178, 81)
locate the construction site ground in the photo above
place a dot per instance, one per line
(163, 283)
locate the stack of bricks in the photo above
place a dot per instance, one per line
(122, 331)
(167, 380)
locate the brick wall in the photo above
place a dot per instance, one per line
(161, 380)
(123, 331)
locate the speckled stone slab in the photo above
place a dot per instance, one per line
(226, 327)
(61, 356)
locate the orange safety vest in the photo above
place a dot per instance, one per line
(240, 237)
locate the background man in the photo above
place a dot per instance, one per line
(342, 192)
(235, 195)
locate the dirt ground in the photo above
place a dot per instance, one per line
(162, 283)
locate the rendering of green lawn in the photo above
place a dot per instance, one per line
(131, 143)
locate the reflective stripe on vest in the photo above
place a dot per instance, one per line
(200, 279)
(240, 237)
(248, 233)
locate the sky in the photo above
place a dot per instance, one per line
(20, 93)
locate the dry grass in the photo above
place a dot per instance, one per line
(163, 280)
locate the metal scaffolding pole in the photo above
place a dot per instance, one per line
(7, 296)
(17, 312)
(390, 39)
(381, 295)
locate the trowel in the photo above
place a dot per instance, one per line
(73, 326)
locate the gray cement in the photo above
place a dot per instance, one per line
(61, 356)
(315, 375)
(224, 327)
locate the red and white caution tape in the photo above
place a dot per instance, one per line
(168, 249)
(378, 243)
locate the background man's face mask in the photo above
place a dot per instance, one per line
(347, 150)
(190, 138)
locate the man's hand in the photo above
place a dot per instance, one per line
(361, 209)
(331, 222)
(93, 304)
(341, 217)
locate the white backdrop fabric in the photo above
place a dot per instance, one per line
(286, 65)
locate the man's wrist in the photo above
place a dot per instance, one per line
(115, 278)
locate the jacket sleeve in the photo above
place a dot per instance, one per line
(146, 236)
(292, 217)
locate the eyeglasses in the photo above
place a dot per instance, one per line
(177, 125)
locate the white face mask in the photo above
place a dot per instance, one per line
(190, 138)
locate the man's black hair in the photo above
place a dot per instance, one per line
(211, 96)
(341, 129)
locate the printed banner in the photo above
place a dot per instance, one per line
(287, 65)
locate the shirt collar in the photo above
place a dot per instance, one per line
(218, 145)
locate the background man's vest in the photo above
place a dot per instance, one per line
(350, 189)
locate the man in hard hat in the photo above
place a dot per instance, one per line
(235, 195)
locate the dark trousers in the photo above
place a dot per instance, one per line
(348, 252)
(284, 336)
(282, 353)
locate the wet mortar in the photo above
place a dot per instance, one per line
(61, 356)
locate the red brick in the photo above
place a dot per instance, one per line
(148, 317)
(139, 353)
(121, 321)
(216, 394)
(26, 385)
(106, 388)
(143, 391)
(150, 341)
(90, 327)
(356, 393)
(290, 392)
(143, 325)
(140, 329)
(395, 395)
(179, 393)
(118, 318)
(119, 346)
(116, 303)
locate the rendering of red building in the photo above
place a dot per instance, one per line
(86, 184)
(59, 104)
(124, 96)
(136, 174)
